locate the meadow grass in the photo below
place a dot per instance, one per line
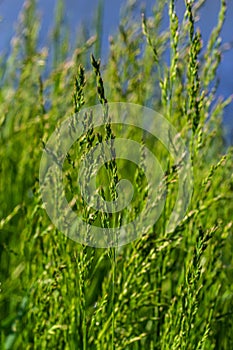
(163, 290)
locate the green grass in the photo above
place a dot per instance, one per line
(163, 290)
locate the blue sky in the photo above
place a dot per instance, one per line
(83, 11)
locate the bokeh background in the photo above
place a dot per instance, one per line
(79, 12)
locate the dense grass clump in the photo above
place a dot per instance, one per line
(164, 290)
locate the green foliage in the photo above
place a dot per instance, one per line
(162, 291)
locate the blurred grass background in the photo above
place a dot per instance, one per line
(163, 291)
